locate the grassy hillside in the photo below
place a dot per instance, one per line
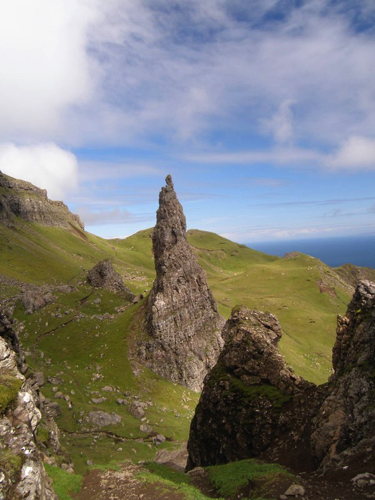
(301, 291)
(85, 340)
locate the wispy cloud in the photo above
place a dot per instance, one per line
(111, 216)
(122, 71)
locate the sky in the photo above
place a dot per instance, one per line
(263, 112)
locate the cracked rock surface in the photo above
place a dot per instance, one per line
(183, 324)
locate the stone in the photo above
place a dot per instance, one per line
(364, 479)
(145, 428)
(36, 299)
(182, 338)
(103, 419)
(102, 275)
(295, 490)
(136, 409)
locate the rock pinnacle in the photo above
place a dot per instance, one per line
(182, 318)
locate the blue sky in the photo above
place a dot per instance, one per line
(263, 111)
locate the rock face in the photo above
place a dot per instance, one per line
(22, 472)
(253, 405)
(240, 411)
(22, 199)
(102, 275)
(345, 424)
(183, 323)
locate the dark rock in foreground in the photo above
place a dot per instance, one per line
(183, 323)
(252, 405)
(345, 424)
(245, 397)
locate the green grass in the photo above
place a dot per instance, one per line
(77, 350)
(64, 484)
(9, 387)
(230, 479)
(177, 482)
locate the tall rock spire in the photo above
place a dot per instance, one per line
(182, 318)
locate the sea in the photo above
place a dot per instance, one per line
(334, 251)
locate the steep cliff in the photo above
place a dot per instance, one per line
(22, 199)
(253, 405)
(182, 320)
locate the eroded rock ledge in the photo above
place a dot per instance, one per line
(253, 405)
(24, 200)
(182, 321)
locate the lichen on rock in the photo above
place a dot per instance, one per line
(182, 321)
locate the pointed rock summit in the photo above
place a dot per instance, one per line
(182, 320)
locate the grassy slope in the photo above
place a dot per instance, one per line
(78, 349)
(236, 274)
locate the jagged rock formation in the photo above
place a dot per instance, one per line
(22, 199)
(102, 275)
(22, 474)
(253, 405)
(344, 428)
(183, 323)
(240, 410)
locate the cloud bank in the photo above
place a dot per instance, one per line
(45, 165)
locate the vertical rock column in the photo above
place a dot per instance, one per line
(182, 318)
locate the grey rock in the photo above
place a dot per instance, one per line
(36, 299)
(295, 490)
(243, 397)
(145, 428)
(102, 275)
(364, 479)
(182, 318)
(136, 409)
(103, 419)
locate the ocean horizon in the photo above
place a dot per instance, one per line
(334, 251)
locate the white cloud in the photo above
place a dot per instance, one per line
(122, 71)
(44, 165)
(356, 153)
(44, 64)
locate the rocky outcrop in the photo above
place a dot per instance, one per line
(344, 428)
(24, 416)
(253, 405)
(102, 275)
(243, 406)
(22, 472)
(22, 199)
(183, 324)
